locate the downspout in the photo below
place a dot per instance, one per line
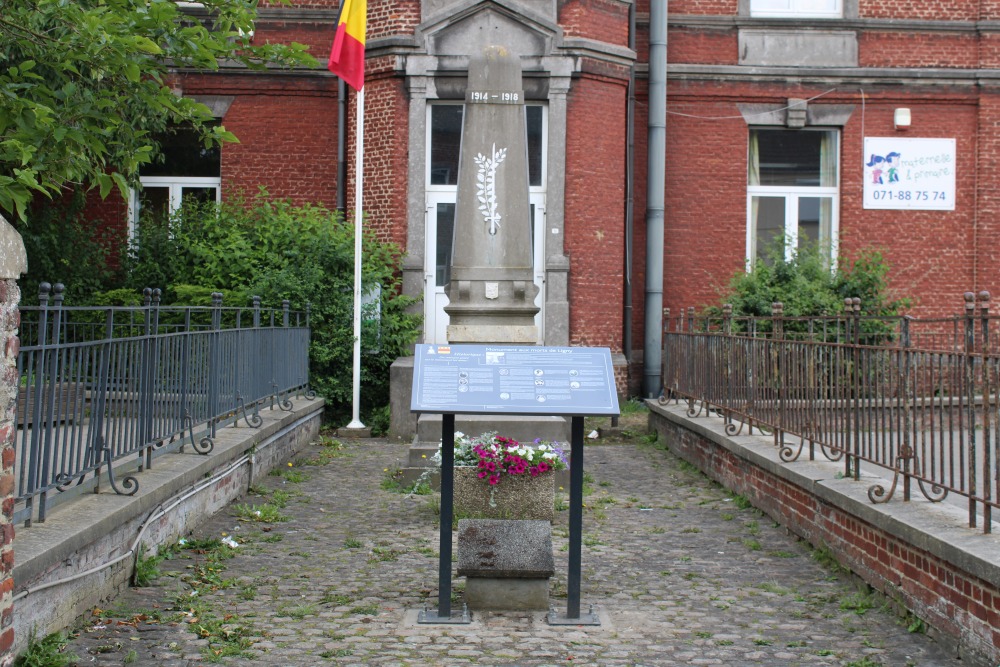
(341, 146)
(629, 192)
(656, 183)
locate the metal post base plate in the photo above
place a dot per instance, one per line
(560, 618)
(430, 616)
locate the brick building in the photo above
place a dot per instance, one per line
(854, 123)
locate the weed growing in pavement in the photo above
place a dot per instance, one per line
(147, 568)
(266, 513)
(50, 651)
(330, 449)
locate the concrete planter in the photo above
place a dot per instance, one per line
(516, 497)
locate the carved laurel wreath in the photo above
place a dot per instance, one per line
(487, 186)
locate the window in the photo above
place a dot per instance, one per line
(187, 171)
(792, 191)
(797, 8)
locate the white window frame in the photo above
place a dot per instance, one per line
(793, 9)
(792, 195)
(176, 186)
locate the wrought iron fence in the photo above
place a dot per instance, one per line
(103, 385)
(915, 398)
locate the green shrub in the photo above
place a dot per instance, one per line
(276, 250)
(806, 287)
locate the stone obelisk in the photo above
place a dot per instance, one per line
(492, 290)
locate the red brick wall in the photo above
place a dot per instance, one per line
(708, 7)
(939, 10)
(986, 240)
(901, 49)
(595, 205)
(288, 144)
(386, 162)
(9, 345)
(702, 47)
(952, 601)
(603, 20)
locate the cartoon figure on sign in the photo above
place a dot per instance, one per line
(892, 161)
(876, 163)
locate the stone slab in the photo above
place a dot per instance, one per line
(502, 549)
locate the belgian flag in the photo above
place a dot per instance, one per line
(347, 57)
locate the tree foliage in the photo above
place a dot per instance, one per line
(86, 84)
(273, 249)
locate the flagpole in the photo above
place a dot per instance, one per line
(359, 150)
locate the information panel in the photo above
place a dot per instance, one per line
(477, 379)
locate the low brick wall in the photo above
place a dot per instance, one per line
(921, 555)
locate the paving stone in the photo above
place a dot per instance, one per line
(681, 574)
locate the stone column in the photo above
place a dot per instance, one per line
(13, 262)
(492, 289)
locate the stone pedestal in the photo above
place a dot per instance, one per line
(507, 564)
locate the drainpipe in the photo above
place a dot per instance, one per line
(655, 175)
(341, 146)
(629, 192)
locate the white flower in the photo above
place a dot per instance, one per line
(521, 451)
(548, 455)
(230, 542)
(542, 447)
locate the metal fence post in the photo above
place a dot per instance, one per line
(969, 396)
(856, 384)
(987, 393)
(52, 361)
(214, 363)
(777, 356)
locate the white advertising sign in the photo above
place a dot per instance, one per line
(909, 174)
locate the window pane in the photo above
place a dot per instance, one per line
(182, 153)
(445, 241)
(815, 217)
(446, 140)
(534, 123)
(768, 220)
(154, 204)
(802, 158)
(199, 195)
(796, 7)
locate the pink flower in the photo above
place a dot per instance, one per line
(543, 466)
(494, 480)
(535, 471)
(482, 475)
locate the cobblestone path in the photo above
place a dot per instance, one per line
(682, 572)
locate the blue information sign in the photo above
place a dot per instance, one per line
(478, 379)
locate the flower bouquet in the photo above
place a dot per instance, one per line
(497, 457)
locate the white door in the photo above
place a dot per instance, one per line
(444, 129)
(439, 235)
